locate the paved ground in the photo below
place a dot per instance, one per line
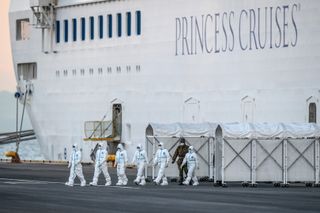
(40, 188)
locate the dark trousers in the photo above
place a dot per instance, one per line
(181, 170)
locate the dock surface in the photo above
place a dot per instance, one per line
(40, 188)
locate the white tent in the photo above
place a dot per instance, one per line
(200, 136)
(278, 152)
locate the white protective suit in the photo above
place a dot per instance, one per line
(192, 163)
(121, 162)
(140, 159)
(161, 159)
(101, 166)
(75, 167)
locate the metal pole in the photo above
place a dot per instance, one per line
(17, 121)
(153, 154)
(253, 161)
(222, 162)
(317, 161)
(285, 160)
(215, 176)
(42, 37)
(24, 106)
(146, 166)
(211, 141)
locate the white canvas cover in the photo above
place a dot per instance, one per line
(182, 130)
(270, 130)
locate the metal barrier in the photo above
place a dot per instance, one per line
(276, 160)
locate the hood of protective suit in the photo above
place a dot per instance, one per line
(191, 149)
(100, 145)
(75, 146)
(139, 146)
(161, 145)
(120, 146)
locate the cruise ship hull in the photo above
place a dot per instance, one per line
(191, 61)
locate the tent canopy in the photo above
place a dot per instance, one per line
(182, 130)
(235, 130)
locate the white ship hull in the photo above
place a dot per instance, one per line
(195, 61)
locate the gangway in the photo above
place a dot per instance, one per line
(13, 137)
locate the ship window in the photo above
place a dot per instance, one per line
(74, 72)
(312, 113)
(74, 28)
(66, 35)
(128, 68)
(109, 70)
(100, 71)
(65, 72)
(82, 71)
(83, 29)
(23, 29)
(118, 69)
(138, 22)
(27, 71)
(57, 73)
(100, 27)
(128, 23)
(91, 27)
(58, 31)
(138, 68)
(119, 24)
(110, 26)
(91, 71)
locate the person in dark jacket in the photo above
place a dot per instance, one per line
(180, 153)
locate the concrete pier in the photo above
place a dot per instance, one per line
(40, 188)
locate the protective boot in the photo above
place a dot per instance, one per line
(187, 181)
(83, 183)
(108, 183)
(124, 180)
(195, 181)
(136, 181)
(164, 182)
(69, 184)
(142, 183)
(93, 184)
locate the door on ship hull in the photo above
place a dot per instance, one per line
(248, 108)
(191, 110)
(116, 121)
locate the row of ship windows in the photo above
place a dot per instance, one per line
(100, 70)
(91, 25)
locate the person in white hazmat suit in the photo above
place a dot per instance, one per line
(75, 167)
(121, 162)
(140, 159)
(161, 159)
(191, 160)
(101, 166)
